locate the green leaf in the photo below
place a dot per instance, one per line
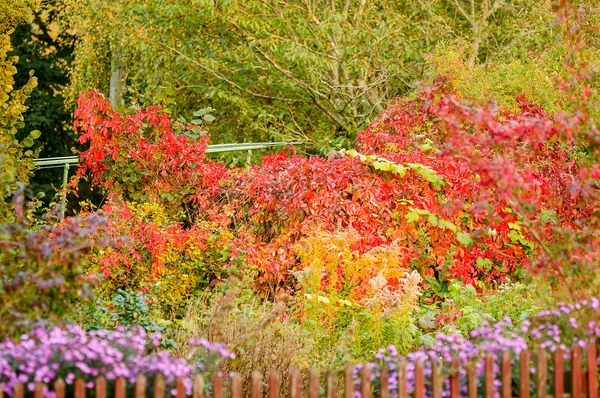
(464, 239)
(433, 220)
(28, 142)
(382, 166)
(35, 134)
(515, 225)
(412, 216)
(448, 225)
(398, 169)
(209, 118)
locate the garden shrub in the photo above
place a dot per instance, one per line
(262, 334)
(360, 301)
(156, 256)
(144, 157)
(407, 183)
(42, 266)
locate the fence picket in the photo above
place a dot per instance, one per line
(140, 386)
(383, 382)
(79, 388)
(489, 376)
(198, 387)
(313, 383)
(576, 373)
(559, 374)
(18, 391)
(524, 375)
(100, 387)
(419, 380)
(39, 390)
(159, 386)
(592, 381)
(365, 381)
(256, 384)
(542, 373)
(59, 388)
(402, 381)
(472, 380)
(120, 387)
(179, 388)
(455, 378)
(218, 386)
(330, 385)
(295, 383)
(236, 386)
(506, 371)
(349, 381)
(436, 380)
(273, 384)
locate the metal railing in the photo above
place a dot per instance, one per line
(65, 162)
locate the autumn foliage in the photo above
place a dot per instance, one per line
(451, 191)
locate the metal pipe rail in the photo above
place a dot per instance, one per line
(66, 161)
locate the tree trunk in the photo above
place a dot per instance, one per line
(118, 80)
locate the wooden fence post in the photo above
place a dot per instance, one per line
(330, 385)
(402, 380)
(218, 386)
(506, 369)
(383, 383)
(295, 381)
(592, 370)
(59, 388)
(101, 386)
(455, 378)
(559, 374)
(198, 386)
(542, 373)
(348, 381)
(365, 381)
(256, 384)
(236, 386)
(489, 375)
(524, 374)
(419, 380)
(472, 380)
(576, 372)
(273, 384)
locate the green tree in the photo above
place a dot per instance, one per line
(13, 12)
(311, 69)
(305, 69)
(16, 157)
(43, 46)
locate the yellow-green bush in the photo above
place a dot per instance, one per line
(158, 257)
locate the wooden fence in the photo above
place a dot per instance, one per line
(578, 382)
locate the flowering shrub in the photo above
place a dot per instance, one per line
(547, 330)
(44, 355)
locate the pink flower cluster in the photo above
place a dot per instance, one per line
(45, 355)
(567, 326)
